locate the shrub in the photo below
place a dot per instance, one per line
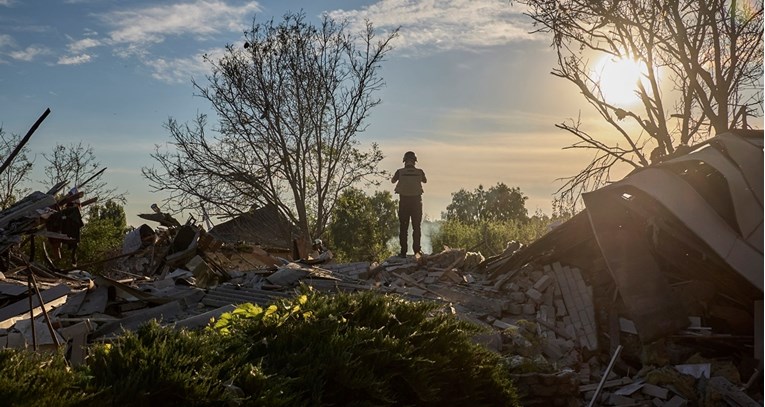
(38, 379)
(369, 349)
(163, 366)
(315, 349)
(488, 237)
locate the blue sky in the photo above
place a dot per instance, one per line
(467, 87)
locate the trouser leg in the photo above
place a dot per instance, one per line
(416, 223)
(403, 225)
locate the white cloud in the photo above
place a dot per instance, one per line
(181, 70)
(140, 27)
(6, 3)
(444, 25)
(83, 44)
(29, 53)
(132, 32)
(74, 59)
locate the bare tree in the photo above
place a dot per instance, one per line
(75, 164)
(12, 179)
(289, 105)
(703, 74)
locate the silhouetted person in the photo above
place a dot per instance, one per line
(319, 254)
(409, 182)
(67, 221)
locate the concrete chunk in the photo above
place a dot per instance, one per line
(534, 295)
(542, 284)
(502, 325)
(529, 309)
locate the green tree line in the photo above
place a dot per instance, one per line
(364, 227)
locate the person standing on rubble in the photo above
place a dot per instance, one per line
(71, 224)
(409, 182)
(67, 221)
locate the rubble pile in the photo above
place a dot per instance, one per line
(545, 318)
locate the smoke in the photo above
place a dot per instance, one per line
(428, 228)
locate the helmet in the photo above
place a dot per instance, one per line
(409, 155)
(317, 242)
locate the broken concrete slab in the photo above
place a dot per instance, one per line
(287, 275)
(19, 310)
(165, 313)
(86, 302)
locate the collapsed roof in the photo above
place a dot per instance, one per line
(693, 216)
(264, 226)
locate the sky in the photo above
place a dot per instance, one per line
(468, 87)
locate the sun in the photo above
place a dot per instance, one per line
(618, 79)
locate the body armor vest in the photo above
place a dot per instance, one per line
(409, 181)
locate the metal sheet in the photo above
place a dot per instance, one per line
(745, 203)
(642, 285)
(690, 208)
(749, 158)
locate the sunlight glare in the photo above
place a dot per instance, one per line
(618, 79)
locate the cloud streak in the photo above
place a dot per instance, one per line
(180, 70)
(141, 27)
(74, 59)
(428, 26)
(132, 33)
(136, 32)
(83, 44)
(29, 53)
